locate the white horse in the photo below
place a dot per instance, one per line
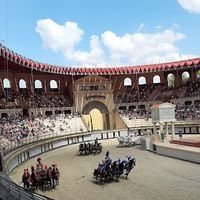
(129, 140)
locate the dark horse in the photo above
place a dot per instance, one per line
(126, 166)
(103, 172)
(89, 148)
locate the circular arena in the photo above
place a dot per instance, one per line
(153, 177)
(47, 111)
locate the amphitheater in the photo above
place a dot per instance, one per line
(47, 111)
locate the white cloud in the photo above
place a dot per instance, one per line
(109, 49)
(193, 6)
(141, 47)
(59, 37)
(93, 57)
(65, 38)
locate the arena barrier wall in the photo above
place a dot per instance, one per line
(15, 155)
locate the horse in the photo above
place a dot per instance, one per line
(129, 165)
(89, 148)
(104, 172)
(96, 148)
(115, 170)
(125, 166)
(81, 149)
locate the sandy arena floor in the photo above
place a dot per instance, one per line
(154, 177)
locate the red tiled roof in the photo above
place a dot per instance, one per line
(20, 60)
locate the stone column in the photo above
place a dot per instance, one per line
(154, 132)
(154, 128)
(173, 130)
(166, 131)
(161, 131)
(161, 127)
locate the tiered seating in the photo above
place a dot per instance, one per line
(155, 93)
(38, 99)
(48, 100)
(193, 89)
(188, 112)
(62, 124)
(17, 128)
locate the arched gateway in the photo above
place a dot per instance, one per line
(93, 98)
(96, 115)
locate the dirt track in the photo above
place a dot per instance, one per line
(154, 177)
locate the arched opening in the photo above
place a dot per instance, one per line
(96, 116)
(156, 79)
(127, 83)
(185, 77)
(38, 84)
(48, 113)
(6, 83)
(188, 103)
(22, 84)
(122, 108)
(130, 108)
(198, 74)
(170, 80)
(94, 123)
(53, 84)
(142, 80)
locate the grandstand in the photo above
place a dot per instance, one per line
(32, 89)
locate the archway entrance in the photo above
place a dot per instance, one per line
(96, 116)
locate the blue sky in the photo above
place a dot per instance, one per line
(101, 32)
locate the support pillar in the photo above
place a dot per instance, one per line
(166, 130)
(154, 128)
(161, 130)
(173, 131)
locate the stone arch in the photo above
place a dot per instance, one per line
(142, 80)
(156, 79)
(170, 80)
(96, 115)
(94, 104)
(185, 77)
(38, 84)
(6, 83)
(22, 84)
(127, 82)
(53, 84)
